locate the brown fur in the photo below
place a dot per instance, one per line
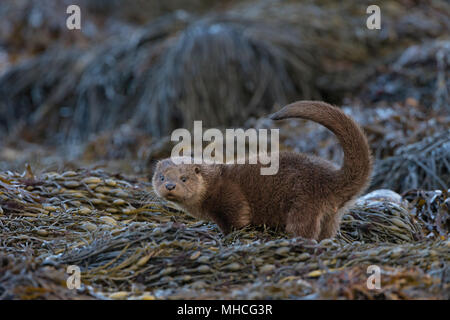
(307, 196)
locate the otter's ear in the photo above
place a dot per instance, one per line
(158, 165)
(197, 169)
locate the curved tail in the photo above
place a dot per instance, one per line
(354, 175)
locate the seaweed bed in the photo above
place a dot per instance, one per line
(71, 104)
(130, 245)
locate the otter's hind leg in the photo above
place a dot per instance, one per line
(329, 226)
(332, 219)
(303, 222)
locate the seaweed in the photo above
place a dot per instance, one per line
(421, 165)
(128, 244)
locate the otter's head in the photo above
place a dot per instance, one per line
(181, 184)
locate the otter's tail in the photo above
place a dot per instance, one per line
(354, 175)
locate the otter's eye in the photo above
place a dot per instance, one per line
(183, 179)
(161, 177)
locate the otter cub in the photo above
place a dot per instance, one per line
(306, 197)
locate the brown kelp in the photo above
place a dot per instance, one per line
(128, 244)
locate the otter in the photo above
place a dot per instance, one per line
(307, 197)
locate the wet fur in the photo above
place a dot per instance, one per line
(307, 196)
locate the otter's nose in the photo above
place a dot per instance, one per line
(170, 186)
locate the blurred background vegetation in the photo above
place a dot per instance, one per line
(91, 110)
